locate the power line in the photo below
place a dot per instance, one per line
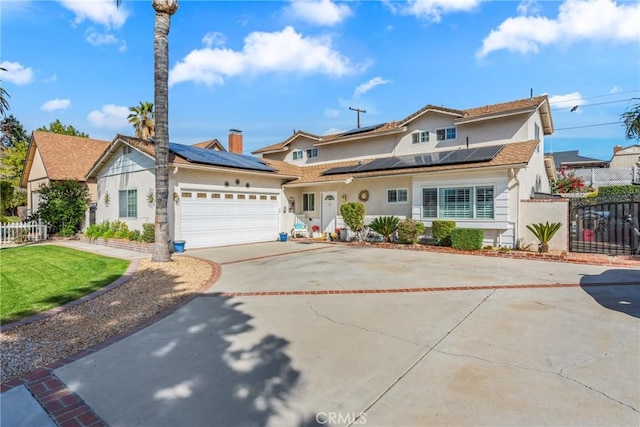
(595, 96)
(592, 105)
(589, 126)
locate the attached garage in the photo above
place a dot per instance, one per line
(219, 218)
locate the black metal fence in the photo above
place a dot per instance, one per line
(604, 227)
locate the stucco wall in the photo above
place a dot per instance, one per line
(541, 211)
(533, 178)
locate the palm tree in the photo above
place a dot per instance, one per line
(631, 120)
(4, 104)
(143, 120)
(164, 9)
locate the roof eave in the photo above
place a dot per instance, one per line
(198, 166)
(373, 134)
(491, 116)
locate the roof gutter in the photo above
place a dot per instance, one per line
(363, 136)
(195, 166)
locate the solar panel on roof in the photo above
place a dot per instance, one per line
(439, 158)
(362, 129)
(218, 158)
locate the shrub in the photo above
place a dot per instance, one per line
(148, 232)
(466, 239)
(385, 225)
(441, 231)
(544, 233)
(409, 231)
(134, 235)
(353, 215)
(619, 190)
(567, 182)
(63, 206)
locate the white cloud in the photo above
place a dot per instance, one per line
(528, 7)
(615, 89)
(214, 39)
(96, 38)
(331, 112)
(103, 12)
(110, 116)
(569, 100)
(56, 104)
(577, 20)
(432, 10)
(367, 86)
(319, 12)
(16, 73)
(284, 51)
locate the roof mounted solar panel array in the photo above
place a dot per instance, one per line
(362, 129)
(439, 158)
(207, 156)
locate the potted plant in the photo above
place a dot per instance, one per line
(315, 231)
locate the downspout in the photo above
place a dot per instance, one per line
(515, 229)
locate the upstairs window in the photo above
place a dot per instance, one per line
(446, 134)
(536, 132)
(298, 154)
(418, 137)
(126, 149)
(312, 152)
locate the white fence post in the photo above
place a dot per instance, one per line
(33, 231)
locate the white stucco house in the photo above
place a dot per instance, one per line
(474, 166)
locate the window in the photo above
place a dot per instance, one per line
(126, 149)
(419, 137)
(446, 134)
(458, 202)
(298, 154)
(312, 152)
(308, 202)
(128, 203)
(536, 132)
(397, 195)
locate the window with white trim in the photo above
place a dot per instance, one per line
(308, 202)
(128, 203)
(126, 149)
(418, 137)
(312, 152)
(397, 195)
(536, 132)
(458, 202)
(446, 134)
(297, 154)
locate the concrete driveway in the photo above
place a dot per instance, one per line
(312, 334)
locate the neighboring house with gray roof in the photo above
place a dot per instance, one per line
(573, 160)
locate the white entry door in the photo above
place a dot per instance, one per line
(219, 218)
(329, 211)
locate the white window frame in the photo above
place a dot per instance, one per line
(473, 199)
(396, 191)
(126, 149)
(297, 154)
(308, 202)
(445, 136)
(128, 213)
(536, 132)
(312, 152)
(420, 137)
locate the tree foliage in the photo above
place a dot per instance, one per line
(59, 128)
(63, 206)
(4, 95)
(142, 118)
(631, 120)
(12, 131)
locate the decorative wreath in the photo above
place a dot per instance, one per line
(363, 195)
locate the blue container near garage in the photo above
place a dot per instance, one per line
(283, 237)
(178, 245)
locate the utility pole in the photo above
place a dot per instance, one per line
(358, 111)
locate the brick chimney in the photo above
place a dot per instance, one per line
(235, 141)
(616, 149)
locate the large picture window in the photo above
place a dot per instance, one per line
(308, 202)
(128, 203)
(458, 202)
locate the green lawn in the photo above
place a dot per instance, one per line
(36, 278)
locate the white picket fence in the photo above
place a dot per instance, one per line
(21, 232)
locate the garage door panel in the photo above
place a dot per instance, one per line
(216, 221)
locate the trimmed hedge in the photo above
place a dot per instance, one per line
(619, 190)
(441, 231)
(466, 239)
(409, 231)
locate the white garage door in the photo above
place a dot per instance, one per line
(211, 218)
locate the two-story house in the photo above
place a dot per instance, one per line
(473, 166)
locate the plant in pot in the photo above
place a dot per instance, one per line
(315, 230)
(544, 233)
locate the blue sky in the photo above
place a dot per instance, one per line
(269, 67)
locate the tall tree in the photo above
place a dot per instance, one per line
(631, 121)
(143, 119)
(58, 127)
(12, 131)
(4, 103)
(13, 148)
(164, 10)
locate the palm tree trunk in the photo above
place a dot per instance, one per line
(164, 9)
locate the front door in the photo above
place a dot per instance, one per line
(329, 211)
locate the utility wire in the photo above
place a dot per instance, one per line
(591, 105)
(589, 126)
(596, 96)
